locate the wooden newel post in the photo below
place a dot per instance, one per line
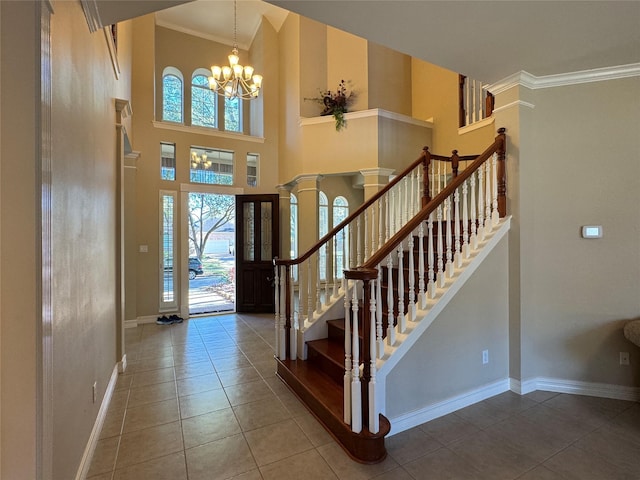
(287, 329)
(426, 161)
(366, 350)
(455, 161)
(501, 173)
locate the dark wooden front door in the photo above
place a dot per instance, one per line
(257, 243)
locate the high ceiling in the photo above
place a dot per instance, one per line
(486, 40)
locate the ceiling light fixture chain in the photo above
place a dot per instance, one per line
(235, 81)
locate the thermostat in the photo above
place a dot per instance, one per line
(592, 231)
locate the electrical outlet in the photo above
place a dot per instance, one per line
(624, 358)
(485, 357)
(95, 391)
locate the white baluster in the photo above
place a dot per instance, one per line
(412, 282)
(480, 204)
(456, 214)
(345, 259)
(347, 356)
(327, 276)
(380, 220)
(373, 411)
(379, 339)
(401, 323)
(449, 250)
(431, 286)
(358, 241)
(391, 331)
(356, 392)
(335, 265)
(318, 283)
(474, 226)
(366, 236)
(294, 321)
(465, 221)
(373, 229)
(387, 222)
(405, 208)
(392, 213)
(278, 320)
(309, 291)
(422, 298)
(495, 214)
(440, 262)
(488, 224)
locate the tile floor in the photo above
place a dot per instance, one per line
(200, 401)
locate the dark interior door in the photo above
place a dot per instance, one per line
(257, 243)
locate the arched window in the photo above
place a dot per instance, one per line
(203, 101)
(233, 114)
(323, 229)
(172, 95)
(340, 212)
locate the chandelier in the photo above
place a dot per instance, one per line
(235, 81)
(200, 161)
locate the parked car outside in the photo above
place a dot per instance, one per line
(195, 267)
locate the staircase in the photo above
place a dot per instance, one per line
(333, 339)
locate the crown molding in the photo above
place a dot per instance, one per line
(533, 82)
(92, 14)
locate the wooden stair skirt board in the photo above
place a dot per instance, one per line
(323, 397)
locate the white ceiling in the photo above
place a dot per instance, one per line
(486, 40)
(213, 19)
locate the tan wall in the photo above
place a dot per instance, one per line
(435, 95)
(577, 169)
(447, 360)
(19, 252)
(389, 79)
(188, 53)
(84, 225)
(347, 60)
(83, 235)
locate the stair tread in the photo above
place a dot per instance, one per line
(328, 348)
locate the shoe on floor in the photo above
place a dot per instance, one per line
(164, 320)
(176, 319)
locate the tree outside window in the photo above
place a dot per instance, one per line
(171, 98)
(203, 103)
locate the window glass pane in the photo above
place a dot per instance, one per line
(167, 252)
(323, 229)
(203, 103)
(249, 231)
(340, 212)
(167, 161)
(252, 169)
(266, 235)
(293, 225)
(171, 99)
(212, 166)
(233, 114)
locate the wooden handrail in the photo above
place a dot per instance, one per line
(498, 146)
(354, 215)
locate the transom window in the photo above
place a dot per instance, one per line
(204, 102)
(252, 169)
(167, 161)
(211, 165)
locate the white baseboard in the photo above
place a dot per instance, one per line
(436, 410)
(431, 412)
(592, 389)
(140, 321)
(122, 364)
(85, 463)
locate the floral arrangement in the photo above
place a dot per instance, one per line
(336, 103)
